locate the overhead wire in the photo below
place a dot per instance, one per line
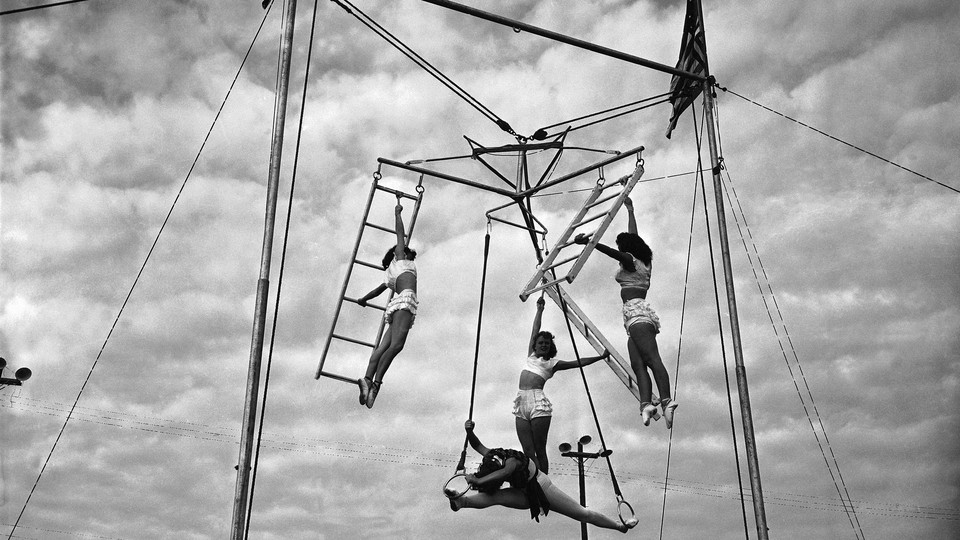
(407, 51)
(683, 310)
(738, 216)
(839, 140)
(439, 458)
(139, 274)
(41, 6)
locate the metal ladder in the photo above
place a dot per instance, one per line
(354, 261)
(606, 215)
(620, 366)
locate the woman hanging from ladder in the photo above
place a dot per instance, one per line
(401, 277)
(531, 407)
(529, 488)
(639, 319)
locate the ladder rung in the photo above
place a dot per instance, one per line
(354, 300)
(588, 220)
(352, 340)
(565, 261)
(603, 200)
(371, 265)
(380, 227)
(338, 377)
(395, 192)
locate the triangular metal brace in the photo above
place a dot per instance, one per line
(594, 201)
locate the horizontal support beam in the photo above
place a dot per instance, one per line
(599, 49)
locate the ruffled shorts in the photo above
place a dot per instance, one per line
(638, 310)
(405, 299)
(530, 404)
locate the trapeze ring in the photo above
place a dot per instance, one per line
(630, 514)
(456, 486)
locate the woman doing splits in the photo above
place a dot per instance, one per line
(529, 488)
(531, 407)
(401, 277)
(639, 319)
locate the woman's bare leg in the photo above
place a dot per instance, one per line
(541, 426)
(399, 327)
(562, 503)
(644, 337)
(525, 434)
(509, 497)
(639, 369)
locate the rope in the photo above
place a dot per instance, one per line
(841, 141)
(283, 259)
(137, 279)
(586, 387)
(723, 348)
(683, 310)
(367, 21)
(841, 488)
(541, 133)
(461, 466)
(42, 6)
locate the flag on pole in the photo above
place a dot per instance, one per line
(693, 59)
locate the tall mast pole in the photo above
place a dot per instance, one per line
(750, 442)
(242, 494)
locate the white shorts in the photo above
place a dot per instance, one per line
(405, 299)
(637, 310)
(532, 403)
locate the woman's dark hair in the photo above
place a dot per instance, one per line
(553, 344)
(634, 245)
(491, 463)
(391, 253)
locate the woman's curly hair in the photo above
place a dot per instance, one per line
(553, 344)
(491, 463)
(391, 253)
(634, 245)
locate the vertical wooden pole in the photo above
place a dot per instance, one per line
(241, 496)
(753, 464)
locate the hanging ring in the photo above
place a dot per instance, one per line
(377, 176)
(625, 510)
(600, 179)
(420, 185)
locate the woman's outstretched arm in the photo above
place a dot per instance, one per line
(400, 252)
(570, 364)
(536, 325)
(377, 291)
(623, 258)
(631, 219)
(472, 438)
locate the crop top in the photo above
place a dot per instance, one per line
(540, 366)
(396, 268)
(638, 279)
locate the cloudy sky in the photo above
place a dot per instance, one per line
(854, 371)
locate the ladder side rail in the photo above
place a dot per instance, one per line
(595, 239)
(620, 366)
(346, 279)
(532, 285)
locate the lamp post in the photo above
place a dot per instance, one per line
(19, 376)
(580, 456)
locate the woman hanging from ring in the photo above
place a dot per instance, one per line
(532, 409)
(529, 488)
(400, 277)
(639, 319)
